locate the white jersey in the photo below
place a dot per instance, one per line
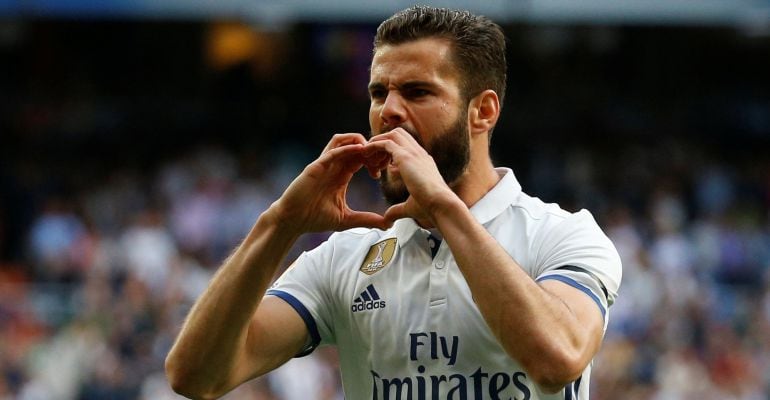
(404, 319)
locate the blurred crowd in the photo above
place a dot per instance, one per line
(693, 316)
(113, 218)
(111, 273)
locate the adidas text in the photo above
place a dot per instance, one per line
(369, 305)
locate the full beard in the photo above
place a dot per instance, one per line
(451, 152)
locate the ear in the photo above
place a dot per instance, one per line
(483, 112)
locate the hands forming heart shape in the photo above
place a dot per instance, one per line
(316, 200)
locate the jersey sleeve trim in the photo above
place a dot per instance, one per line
(591, 274)
(574, 284)
(306, 316)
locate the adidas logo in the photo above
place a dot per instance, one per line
(369, 299)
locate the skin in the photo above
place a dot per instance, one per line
(234, 333)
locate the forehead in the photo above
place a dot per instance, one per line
(425, 60)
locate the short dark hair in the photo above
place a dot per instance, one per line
(478, 43)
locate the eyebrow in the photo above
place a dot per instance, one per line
(404, 86)
(375, 86)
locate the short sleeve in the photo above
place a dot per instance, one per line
(578, 253)
(305, 286)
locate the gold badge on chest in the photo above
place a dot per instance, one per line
(379, 256)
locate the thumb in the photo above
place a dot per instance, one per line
(396, 211)
(364, 219)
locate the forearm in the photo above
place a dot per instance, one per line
(215, 332)
(535, 327)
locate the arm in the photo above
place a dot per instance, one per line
(229, 335)
(553, 330)
(232, 334)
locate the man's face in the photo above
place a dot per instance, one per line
(415, 86)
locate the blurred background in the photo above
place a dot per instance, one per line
(140, 140)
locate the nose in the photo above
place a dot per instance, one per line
(393, 112)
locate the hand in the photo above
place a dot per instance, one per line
(315, 201)
(417, 170)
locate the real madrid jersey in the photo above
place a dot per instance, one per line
(403, 318)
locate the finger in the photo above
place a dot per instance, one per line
(389, 136)
(396, 154)
(365, 219)
(393, 141)
(376, 162)
(375, 149)
(347, 151)
(398, 135)
(396, 212)
(346, 159)
(341, 139)
(374, 172)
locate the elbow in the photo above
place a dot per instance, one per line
(179, 379)
(553, 373)
(184, 382)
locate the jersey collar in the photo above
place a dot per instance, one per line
(497, 200)
(404, 229)
(500, 198)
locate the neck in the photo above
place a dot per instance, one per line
(477, 181)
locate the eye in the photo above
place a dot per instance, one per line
(376, 94)
(417, 93)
